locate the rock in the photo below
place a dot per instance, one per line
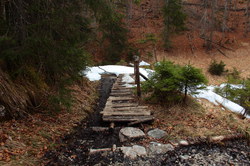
(140, 150)
(2, 111)
(217, 138)
(157, 133)
(114, 148)
(183, 143)
(157, 148)
(134, 151)
(184, 157)
(128, 152)
(130, 133)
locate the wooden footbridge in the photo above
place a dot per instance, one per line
(123, 106)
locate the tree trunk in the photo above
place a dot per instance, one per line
(210, 41)
(247, 24)
(2, 10)
(155, 55)
(225, 18)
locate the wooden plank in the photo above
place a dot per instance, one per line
(127, 118)
(121, 91)
(127, 113)
(111, 98)
(121, 94)
(119, 88)
(120, 105)
(139, 108)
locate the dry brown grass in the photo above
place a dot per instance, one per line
(192, 121)
(23, 142)
(238, 59)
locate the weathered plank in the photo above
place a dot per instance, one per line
(127, 118)
(111, 98)
(127, 113)
(119, 88)
(139, 108)
(121, 91)
(119, 105)
(121, 94)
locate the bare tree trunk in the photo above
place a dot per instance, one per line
(225, 18)
(129, 9)
(154, 52)
(2, 10)
(204, 23)
(210, 41)
(247, 24)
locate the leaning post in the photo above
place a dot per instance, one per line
(137, 75)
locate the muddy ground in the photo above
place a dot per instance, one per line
(75, 146)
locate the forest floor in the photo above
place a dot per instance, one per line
(238, 59)
(23, 142)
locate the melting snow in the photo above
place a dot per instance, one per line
(94, 74)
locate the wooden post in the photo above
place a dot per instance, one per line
(137, 75)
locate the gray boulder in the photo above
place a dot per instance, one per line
(158, 148)
(134, 151)
(130, 133)
(157, 133)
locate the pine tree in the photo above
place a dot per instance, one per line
(170, 80)
(191, 80)
(174, 19)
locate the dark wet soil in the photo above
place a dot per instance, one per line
(235, 152)
(75, 148)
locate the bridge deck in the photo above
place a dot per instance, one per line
(123, 106)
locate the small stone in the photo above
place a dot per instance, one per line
(114, 148)
(217, 138)
(105, 154)
(194, 150)
(157, 133)
(128, 152)
(130, 133)
(134, 152)
(157, 148)
(140, 150)
(184, 157)
(183, 143)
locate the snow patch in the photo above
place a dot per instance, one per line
(216, 99)
(94, 74)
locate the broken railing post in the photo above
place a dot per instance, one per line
(137, 75)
